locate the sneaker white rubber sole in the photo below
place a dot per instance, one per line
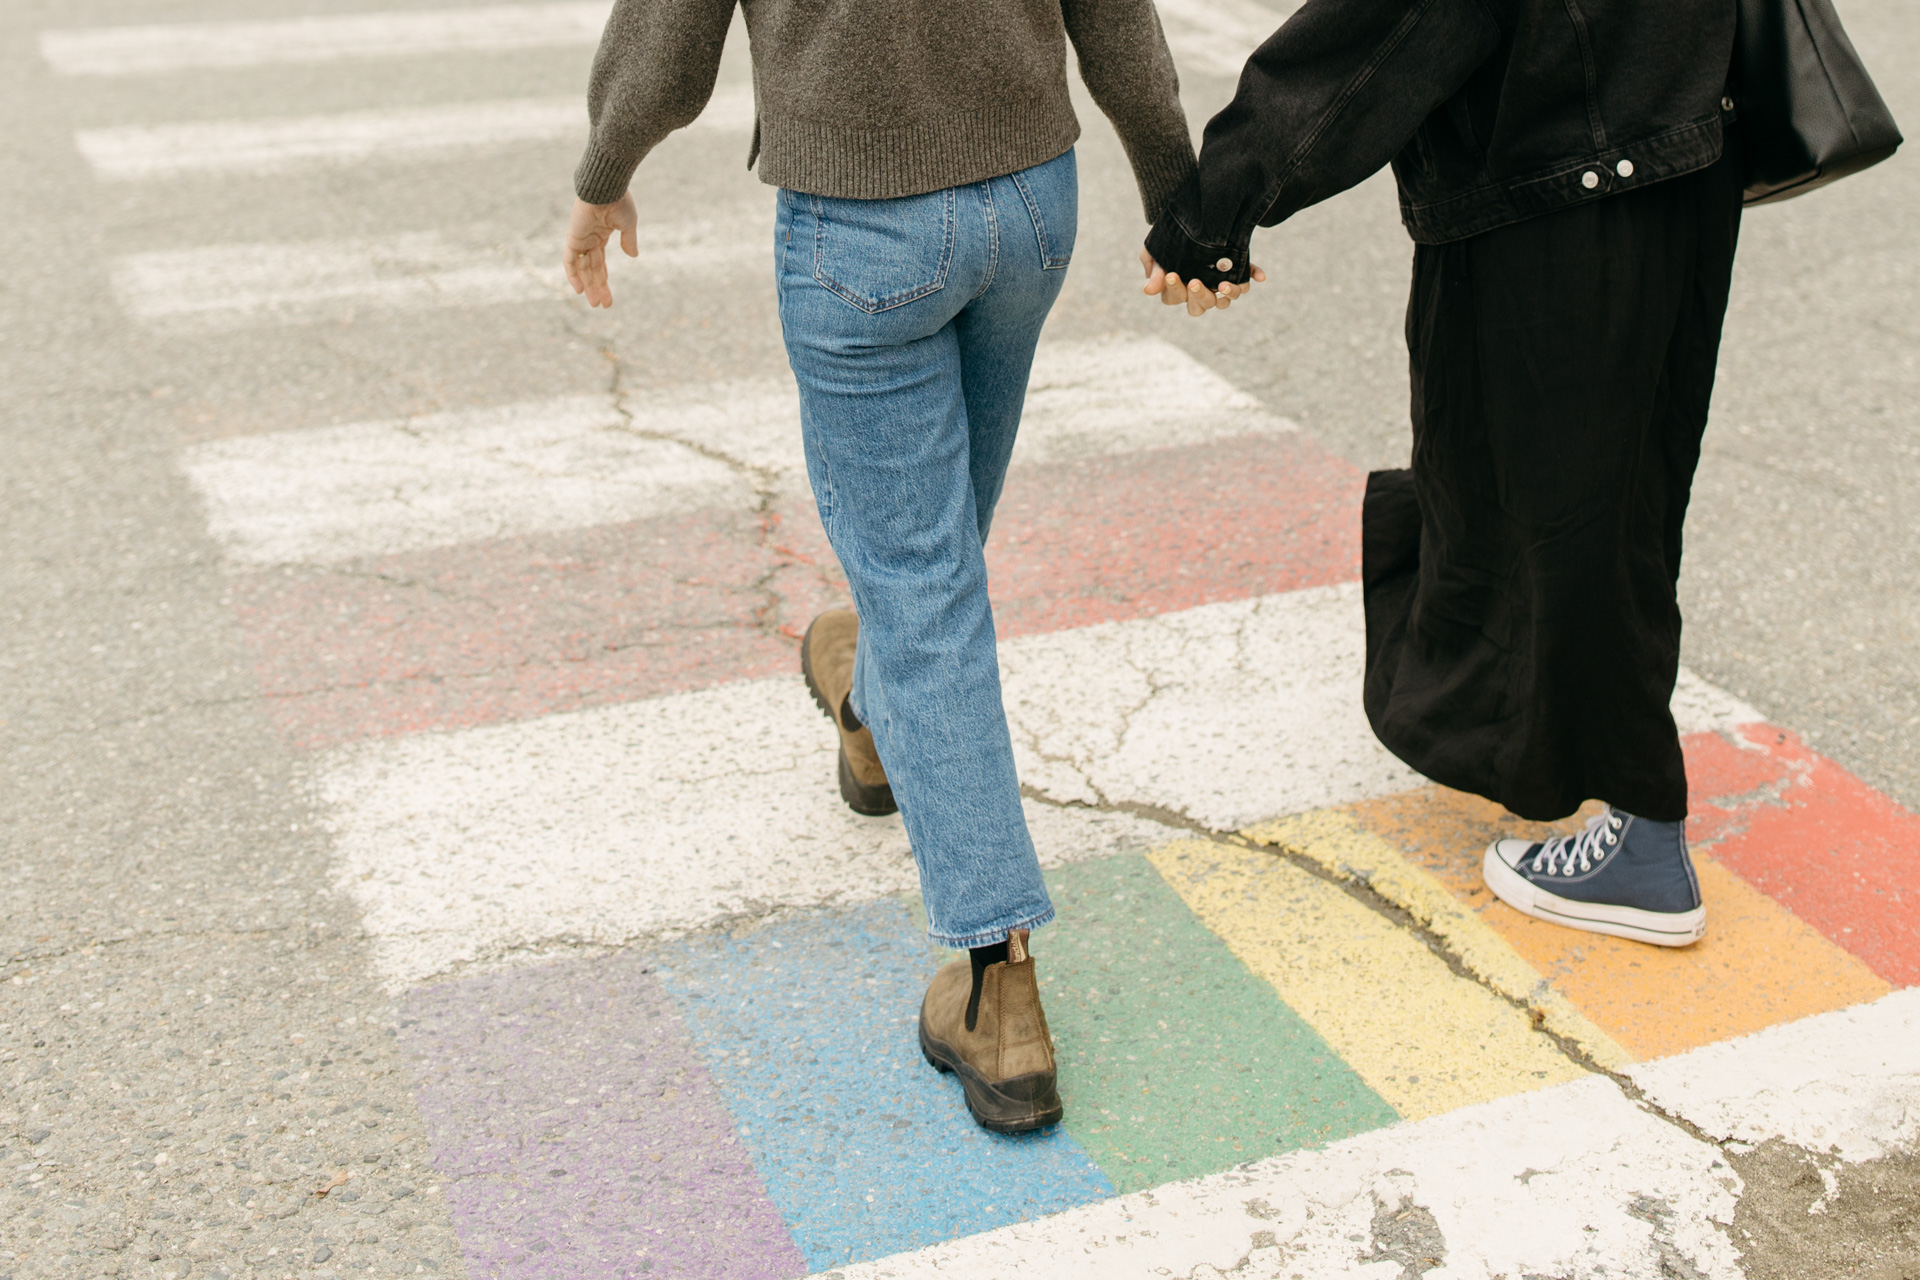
(1661, 928)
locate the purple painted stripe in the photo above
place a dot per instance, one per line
(580, 1135)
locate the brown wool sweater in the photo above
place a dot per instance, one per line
(871, 99)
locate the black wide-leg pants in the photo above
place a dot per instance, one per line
(1523, 633)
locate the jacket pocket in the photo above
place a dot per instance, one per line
(1052, 195)
(880, 254)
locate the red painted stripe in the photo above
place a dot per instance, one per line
(1144, 534)
(524, 627)
(1814, 838)
(521, 627)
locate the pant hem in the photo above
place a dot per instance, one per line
(986, 938)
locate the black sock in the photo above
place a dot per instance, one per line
(993, 953)
(847, 717)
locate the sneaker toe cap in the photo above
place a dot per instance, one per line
(1510, 852)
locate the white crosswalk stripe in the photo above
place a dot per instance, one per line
(671, 813)
(131, 152)
(157, 48)
(224, 286)
(375, 487)
(1846, 1083)
(239, 284)
(379, 487)
(667, 814)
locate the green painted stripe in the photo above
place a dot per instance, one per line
(1175, 1061)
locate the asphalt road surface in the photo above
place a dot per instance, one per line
(207, 244)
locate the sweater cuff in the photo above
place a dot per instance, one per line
(1160, 177)
(1179, 253)
(602, 176)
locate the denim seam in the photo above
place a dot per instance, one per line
(847, 296)
(1048, 261)
(784, 205)
(993, 237)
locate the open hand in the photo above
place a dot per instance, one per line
(1199, 299)
(591, 227)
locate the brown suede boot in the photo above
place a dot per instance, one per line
(1005, 1060)
(826, 660)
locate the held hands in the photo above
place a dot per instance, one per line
(1198, 298)
(589, 231)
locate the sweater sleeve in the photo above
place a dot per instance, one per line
(1128, 70)
(653, 74)
(1324, 103)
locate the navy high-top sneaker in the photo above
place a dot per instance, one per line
(1623, 875)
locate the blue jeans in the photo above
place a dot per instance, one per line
(910, 325)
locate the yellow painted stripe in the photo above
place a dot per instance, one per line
(1423, 1037)
(1759, 964)
(1336, 840)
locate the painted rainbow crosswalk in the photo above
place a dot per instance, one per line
(1231, 991)
(658, 984)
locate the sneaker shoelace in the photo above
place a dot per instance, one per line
(1573, 855)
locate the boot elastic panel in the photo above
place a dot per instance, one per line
(981, 957)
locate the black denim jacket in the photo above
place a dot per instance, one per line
(1491, 111)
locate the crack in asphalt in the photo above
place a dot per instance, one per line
(765, 482)
(1363, 893)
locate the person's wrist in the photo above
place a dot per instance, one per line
(1178, 253)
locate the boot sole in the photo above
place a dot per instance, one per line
(1020, 1104)
(1661, 928)
(869, 802)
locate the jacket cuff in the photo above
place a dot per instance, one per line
(1179, 253)
(602, 176)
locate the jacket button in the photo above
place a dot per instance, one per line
(1624, 168)
(1726, 104)
(1225, 264)
(1589, 179)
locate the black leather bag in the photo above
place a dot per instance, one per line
(1808, 110)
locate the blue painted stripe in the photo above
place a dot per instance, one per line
(807, 1027)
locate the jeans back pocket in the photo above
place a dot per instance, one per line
(879, 254)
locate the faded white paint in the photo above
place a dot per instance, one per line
(606, 825)
(1227, 714)
(1573, 1181)
(130, 152)
(673, 813)
(1124, 394)
(377, 487)
(1846, 1082)
(333, 493)
(150, 49)
(224, 286)
(1699, 707)
(1084, 399)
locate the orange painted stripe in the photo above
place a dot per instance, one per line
(1757, 966)
(1814, 838)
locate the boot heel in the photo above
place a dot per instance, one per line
(872, 802)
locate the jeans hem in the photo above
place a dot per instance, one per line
(988, 937)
